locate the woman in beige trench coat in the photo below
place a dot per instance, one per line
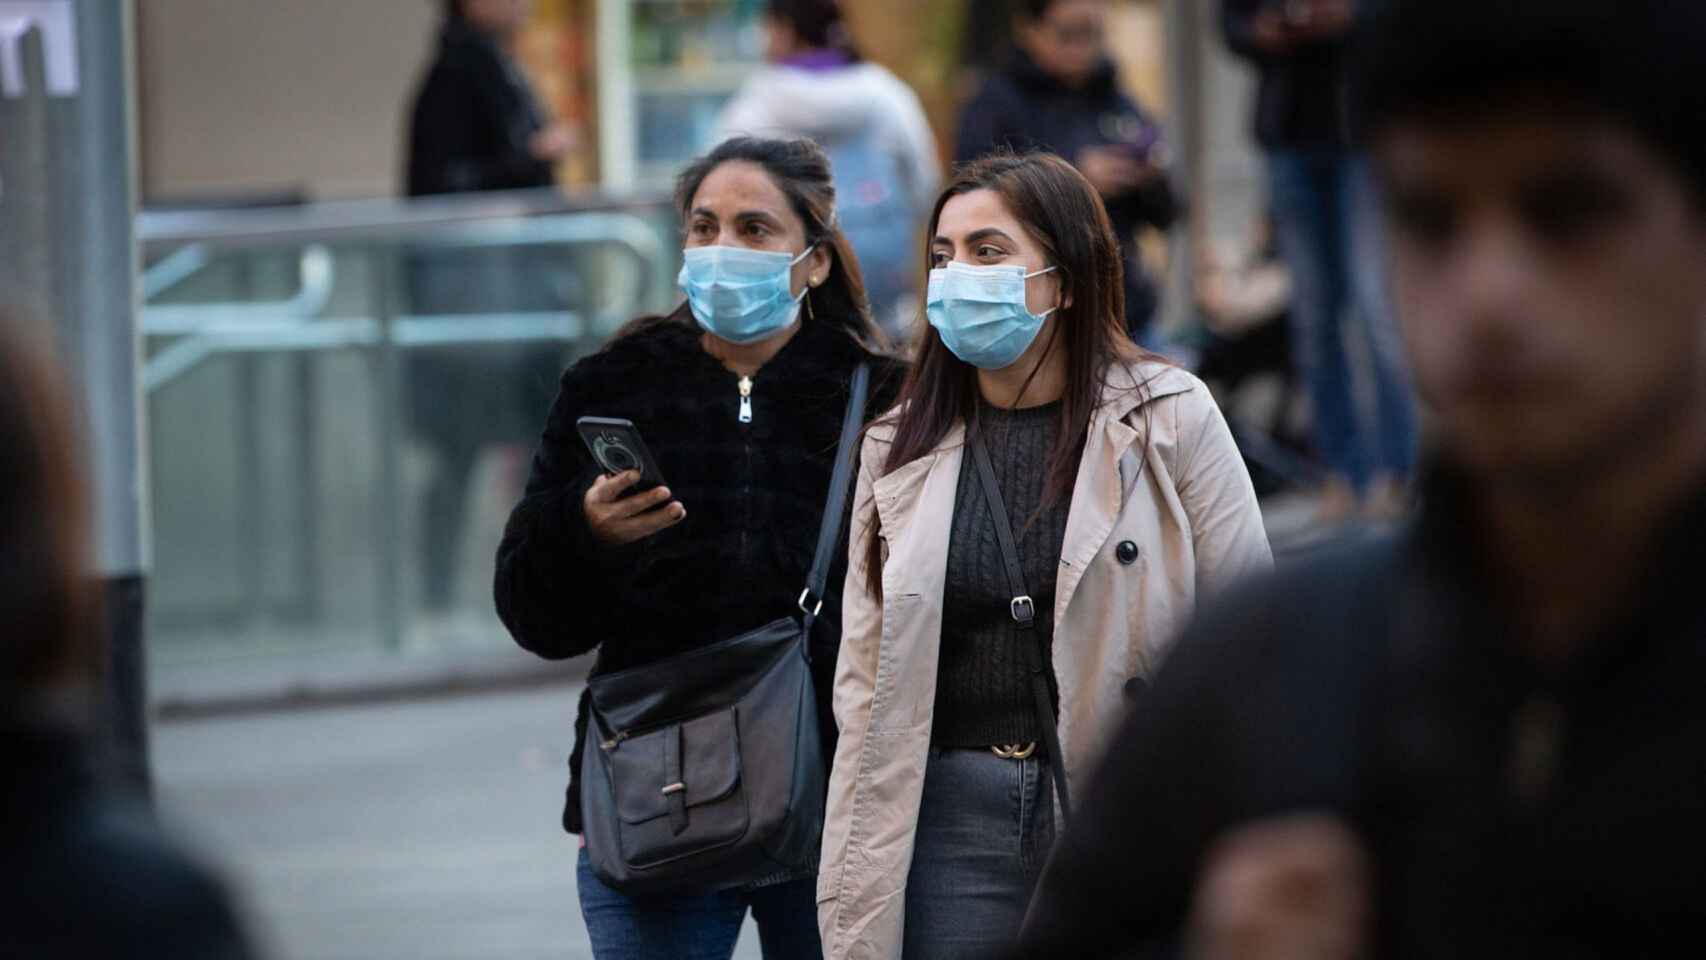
(1127, 501)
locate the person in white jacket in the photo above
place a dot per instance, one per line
(885, 158)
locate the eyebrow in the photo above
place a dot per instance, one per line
(987, 233)
(743, 215)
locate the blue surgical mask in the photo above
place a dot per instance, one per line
(981, 312)
(741, 295)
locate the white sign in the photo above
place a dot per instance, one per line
(58, 28)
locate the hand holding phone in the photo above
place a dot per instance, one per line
(617, 517)
(630, 502)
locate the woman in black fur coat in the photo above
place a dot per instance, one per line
(739, 395)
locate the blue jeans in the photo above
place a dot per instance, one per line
(985, 826)
(1328, 227)
(698, 926)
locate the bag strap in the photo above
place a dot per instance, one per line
(1024, 612)
(829, 531)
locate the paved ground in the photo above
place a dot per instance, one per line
(416, 831)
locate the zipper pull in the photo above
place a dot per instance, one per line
(745, 399)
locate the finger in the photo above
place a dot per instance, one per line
(638, 503)
(646, 524)
(606, 489)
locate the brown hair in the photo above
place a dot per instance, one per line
(1063, 213)
(800, 169)
(47, 602)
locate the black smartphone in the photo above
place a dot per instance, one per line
(617, 448)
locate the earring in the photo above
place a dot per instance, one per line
(810, 315)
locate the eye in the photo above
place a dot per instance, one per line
(939, 258)
(757, 230)
(987, 251)
(701, 228)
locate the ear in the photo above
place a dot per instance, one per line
(819, 264)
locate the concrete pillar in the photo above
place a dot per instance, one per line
(68, 258)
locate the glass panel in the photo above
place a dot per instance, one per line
(339, 422)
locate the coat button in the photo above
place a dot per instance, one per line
(1126, 552)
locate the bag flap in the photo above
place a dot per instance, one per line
(710, 766)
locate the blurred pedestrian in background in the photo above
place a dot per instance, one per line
(88, 873)
(880, 145)
(1483, 736)
(1326, 217)
(1060, 92)
(475, 126)
(1032, 527)
(740, 396)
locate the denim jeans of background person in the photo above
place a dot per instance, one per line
(1326, 222)
(1327, 219)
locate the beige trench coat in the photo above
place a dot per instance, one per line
(1184, 498)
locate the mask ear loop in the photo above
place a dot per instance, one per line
(1045, 314)
(803, 293)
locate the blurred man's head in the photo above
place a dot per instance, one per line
(45, 597)
(499, 17)
(1065, 38)
(1545, 172)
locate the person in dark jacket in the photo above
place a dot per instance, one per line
(741, 409)
(476, 126)
(1326, 223)
(87, 871)
(1060, 93)
(1484, 735)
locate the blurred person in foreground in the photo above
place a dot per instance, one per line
(89, 874)
(739, 394)
(871, 123)
(1060, 92)
(475, 126)
(1327, 225)
(1484, 735)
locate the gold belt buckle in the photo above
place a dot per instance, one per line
(1014, 751)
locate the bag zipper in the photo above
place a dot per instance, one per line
(745, 399)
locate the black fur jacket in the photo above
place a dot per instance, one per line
(754, 494)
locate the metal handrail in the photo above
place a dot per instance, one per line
(362, 219)
(246, 326)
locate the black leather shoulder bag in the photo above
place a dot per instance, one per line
(708, 772)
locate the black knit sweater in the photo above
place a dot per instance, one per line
(983, 689)
(754, 494)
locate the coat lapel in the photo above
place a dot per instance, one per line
(1098, 495)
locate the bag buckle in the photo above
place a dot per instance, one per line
(677, 787)
(812, 611)
(1024, 610)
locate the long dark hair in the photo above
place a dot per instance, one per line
(818, 23)
(1064, 214)
(46, 599)
(800, 169)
